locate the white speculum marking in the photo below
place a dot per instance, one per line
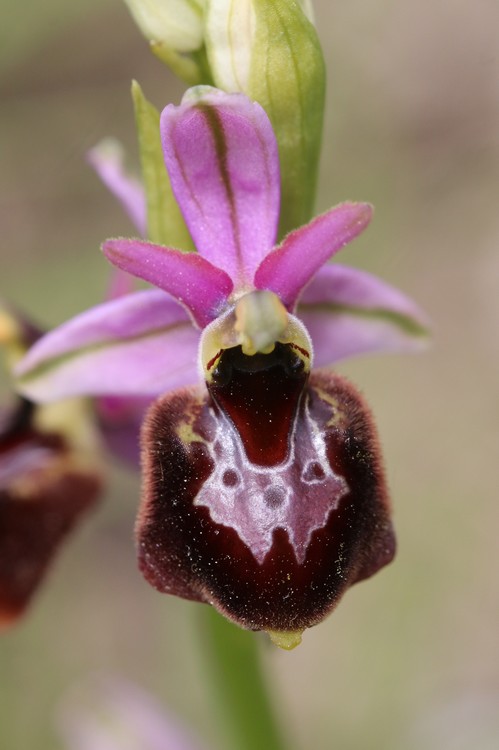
(296, 496)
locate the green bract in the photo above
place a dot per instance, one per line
(164, 220)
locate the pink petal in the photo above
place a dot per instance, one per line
(349, 312)
(141, 344)
(108, 161)
(221, 155)
(290, 267)
(193, 281)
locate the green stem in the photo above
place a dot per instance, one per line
(238, 685)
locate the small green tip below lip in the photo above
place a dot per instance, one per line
(285, 639)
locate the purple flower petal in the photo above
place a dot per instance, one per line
(141, 344)
(197, 284)
(349, 312)
(291, 266)
(107, 160)
(221, 155)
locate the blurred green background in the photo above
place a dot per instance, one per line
(411, 658)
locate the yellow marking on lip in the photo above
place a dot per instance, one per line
(338, 416)
(187, 434)
(185, 430)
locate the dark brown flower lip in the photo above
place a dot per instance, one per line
(280, 565)
(44, 490)
(33, 524)
(23, 448)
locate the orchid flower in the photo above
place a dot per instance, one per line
(49, 478)
(264, 493)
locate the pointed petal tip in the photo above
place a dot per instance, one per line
(361, 212)
(110, 246)
(193, 281)
(289, 267)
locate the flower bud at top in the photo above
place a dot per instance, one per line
(175, 30)
(307, 8)
(266, 49)
(176, 23)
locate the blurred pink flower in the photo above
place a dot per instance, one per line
(110, 714)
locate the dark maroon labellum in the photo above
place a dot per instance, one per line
(266, 496)
(43, 493)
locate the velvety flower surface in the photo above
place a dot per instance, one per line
(263, 494)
